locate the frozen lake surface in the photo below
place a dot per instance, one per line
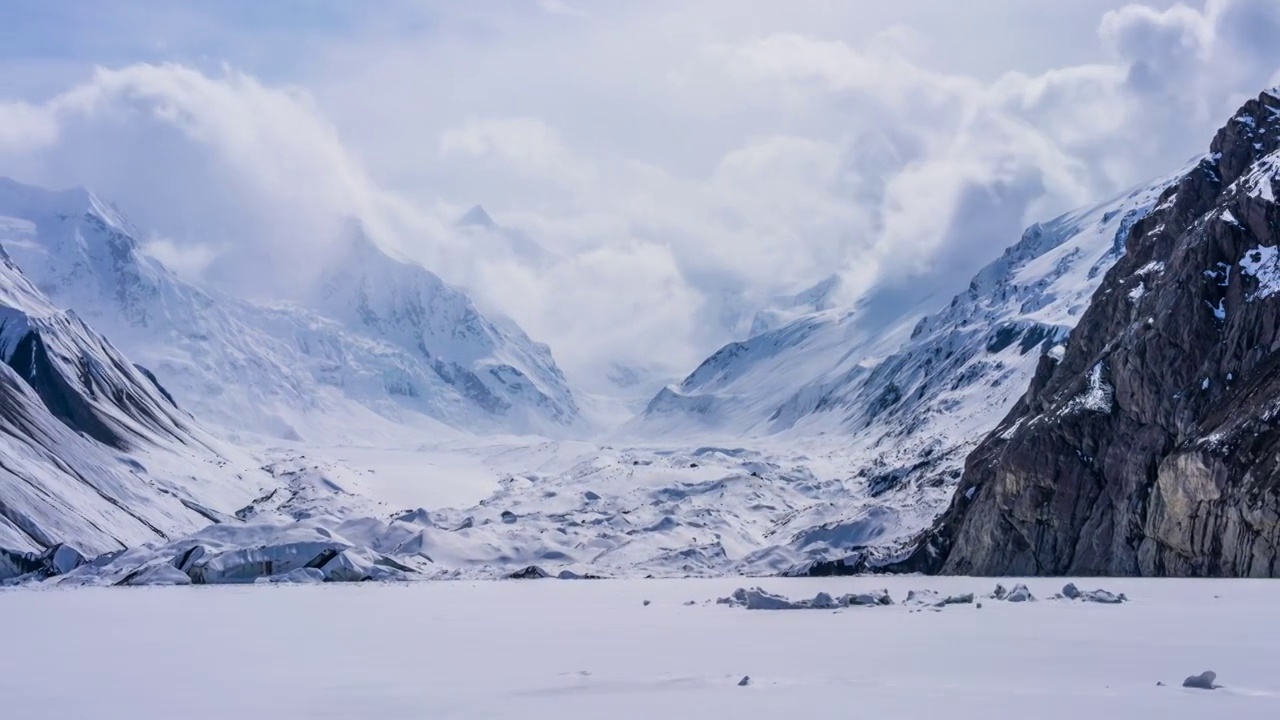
(591, 649)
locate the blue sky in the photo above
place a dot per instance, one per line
(680, 160)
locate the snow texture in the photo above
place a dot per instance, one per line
(590, 649)
(1263, 265)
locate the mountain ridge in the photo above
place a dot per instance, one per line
(1150, 446)
(285, 369)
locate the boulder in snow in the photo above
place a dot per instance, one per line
(1203, 681)
(925, 598)
(1071, 592)
(868, 599)
(757, 599)
(1019, 593)
(533, 572)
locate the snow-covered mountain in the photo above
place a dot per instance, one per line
(104, 480)
(383, 339)
(94, 454)
(1150, 446)
(488, 237)
(824, 443)
(903, 400)
(783, 309)
(491, 363)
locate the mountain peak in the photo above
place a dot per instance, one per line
(1252, 133)
(21, 199)
(477, 217)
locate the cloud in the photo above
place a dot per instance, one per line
(679, 162)
(556, 7)
(527, 145)
(25, 126)
(247, 183)
(188, 260)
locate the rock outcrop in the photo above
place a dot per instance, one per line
(1152, 446)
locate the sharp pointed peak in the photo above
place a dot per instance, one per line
(16, 195)
(477, 217)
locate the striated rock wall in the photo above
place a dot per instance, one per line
(1152, 446)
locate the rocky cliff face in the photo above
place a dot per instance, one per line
(1152, 446)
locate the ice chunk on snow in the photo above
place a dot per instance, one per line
(1019, 593)
(927, 598)
(348, 566)
(757, 599)
(301, 576)
(760, 599)
(875, 597)
(159, 573)
(62, 559)
(1071, 592)
(1102, 596)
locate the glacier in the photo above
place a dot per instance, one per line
(410, 436)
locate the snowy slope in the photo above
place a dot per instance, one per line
(850, 439)
(378, 358)
(93, 452)
(899, 407)
(783, 309)
(823, 364)
(490, 363)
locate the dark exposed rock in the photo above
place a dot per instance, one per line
(533, 572)
(1153, 446)
(1203, 681)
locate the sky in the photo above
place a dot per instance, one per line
(672, 165)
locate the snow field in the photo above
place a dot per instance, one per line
(587, 649)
